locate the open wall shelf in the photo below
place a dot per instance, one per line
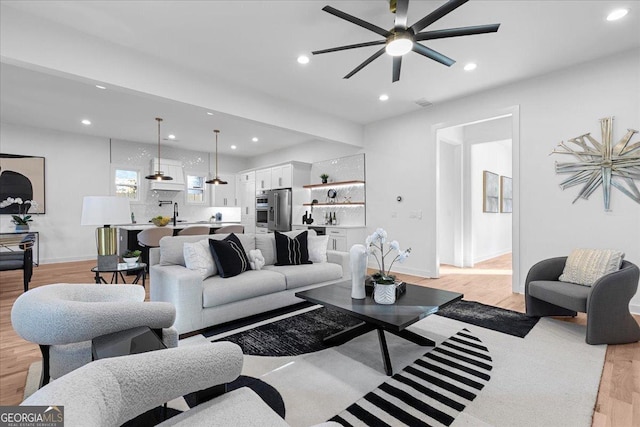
(334, 184)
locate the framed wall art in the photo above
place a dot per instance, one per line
(490, 192)
(506, 194)
(23, 177)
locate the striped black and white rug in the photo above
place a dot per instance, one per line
(432, 391)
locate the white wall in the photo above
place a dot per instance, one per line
(310, 152)
(450, 208)
(491, 232)
(75, 166)
(553, 107)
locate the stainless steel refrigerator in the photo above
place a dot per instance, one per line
(279, 217)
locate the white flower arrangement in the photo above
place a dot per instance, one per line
(22, 218)
(375, 246)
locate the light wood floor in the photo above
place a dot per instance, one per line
(618, 402)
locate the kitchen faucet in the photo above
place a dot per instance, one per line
(175, 213)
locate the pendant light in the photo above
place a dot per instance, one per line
(159, 175)
(216, 180)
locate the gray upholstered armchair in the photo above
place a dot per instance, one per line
(109, 392)
(606, 302)
(64, 318)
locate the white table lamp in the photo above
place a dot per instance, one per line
(106, 211)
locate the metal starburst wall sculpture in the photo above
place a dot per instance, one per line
(602, 164)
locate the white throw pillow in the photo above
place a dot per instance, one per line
(197, 257)
(317, 247)
(586, 266)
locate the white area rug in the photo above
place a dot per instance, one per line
(549, 378)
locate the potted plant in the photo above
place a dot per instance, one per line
(324, 177)
(384, 281)
(22, 219)
(131, 257)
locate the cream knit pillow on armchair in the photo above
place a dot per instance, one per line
(586, 266)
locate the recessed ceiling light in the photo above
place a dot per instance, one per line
(86, 122)
(233, 147)
(303, 59)
(209, 113)
(617, 14)
(100, 87)
(470, 66)
(171, 136)
(254, 139)
(383, 97)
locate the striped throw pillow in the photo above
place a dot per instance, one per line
(586, 266)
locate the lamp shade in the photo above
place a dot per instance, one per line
(105, 210)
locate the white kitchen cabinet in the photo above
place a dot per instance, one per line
(263, 179)
(246, 195)
(281, 176)
(224, 195)
(341, 239)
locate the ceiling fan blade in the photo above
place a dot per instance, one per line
(456, 32)
(351, 46)
(365, 63)
(432, 54)
(357, 21)
(449, 6)
(397, 63)
(402, 6)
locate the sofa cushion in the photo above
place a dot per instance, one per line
(563, 294)
(317, 246)
(172, 247)
(253, 283)
(586, 266)
(291, 250)
(307, 274)
(197, 257)
(267, 244)
(229, 256)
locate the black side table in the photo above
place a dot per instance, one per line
(139, 268)
(130, 341)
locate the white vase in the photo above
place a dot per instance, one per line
(130, 261)
(384, 293)
(358, 263)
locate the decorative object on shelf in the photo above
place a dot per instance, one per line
(331, 195)
(506, 194)
(216, 180)
(402, 38)
(22, 177)
(358, 262)
(106, 211)
(324, 177)
(602, 164)
(160, 221)
(375, 246)
(22, 218)
(159, 175)
(131, 257)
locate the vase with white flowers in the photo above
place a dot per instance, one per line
(385, 282)
(22, 218)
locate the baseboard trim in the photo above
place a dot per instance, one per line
(634, 308)
(494, 255)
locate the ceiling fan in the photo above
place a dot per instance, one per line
(402, 39)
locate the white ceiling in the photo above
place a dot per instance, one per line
(254, 44)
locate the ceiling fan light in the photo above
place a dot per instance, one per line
(399, 45)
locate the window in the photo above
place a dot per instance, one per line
(195, 189)
(127, 183)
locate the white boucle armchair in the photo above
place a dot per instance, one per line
(110, 392)
(63, 319)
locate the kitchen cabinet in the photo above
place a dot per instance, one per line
(341, 239)
(246, 195)
(224, 195)
(281, 176)
(263, 179)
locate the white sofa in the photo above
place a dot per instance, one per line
(215, 300)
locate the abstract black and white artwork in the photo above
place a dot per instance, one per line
(22, 177)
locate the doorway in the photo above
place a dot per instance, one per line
(466, 234)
